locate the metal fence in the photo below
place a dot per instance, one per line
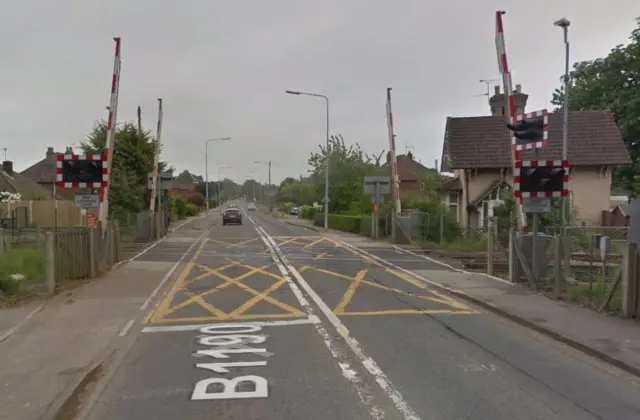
(568, 263)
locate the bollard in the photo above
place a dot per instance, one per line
(49, 263)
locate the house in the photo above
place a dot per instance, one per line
(410, 173)
(43, 172)
(477, 150)
(16, 183)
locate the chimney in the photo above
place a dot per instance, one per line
(69, 150)
(410, 155)
(498, 106)
(7, 167)
(50, 152)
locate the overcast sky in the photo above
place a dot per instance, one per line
(222, 68)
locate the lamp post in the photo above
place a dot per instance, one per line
(220, 185)
(326, 171)
(206, 168)
(564, 24)
(266, 162)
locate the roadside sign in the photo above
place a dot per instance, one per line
(536, 204)
(87, 201)
(165, 180)
(382, 183)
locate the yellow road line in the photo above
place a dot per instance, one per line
(248, 241)
(449, 301)
(254, 300)
(178, 284)
(216, 289)
(206, 305)
(198, 319)
(320, 255)
(410, 312)
(206, 273)
(314, 243)
(254, 292)
(346, 298)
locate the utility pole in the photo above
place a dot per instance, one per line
(140, 121)
(268, 163)
(564, 24)
(111, 134)
(156, 159)
(394, 169)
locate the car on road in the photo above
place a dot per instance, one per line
(251, 207)
(294, 211)
(232, 215)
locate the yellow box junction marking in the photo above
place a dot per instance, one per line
(359, 280)
(160, 315)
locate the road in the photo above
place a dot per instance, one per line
(270, 321)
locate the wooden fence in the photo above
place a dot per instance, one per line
(43, 213)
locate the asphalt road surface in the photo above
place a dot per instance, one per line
(270, 321)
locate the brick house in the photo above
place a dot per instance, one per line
(410, 173)
(43, 172)
(477, 151)
(13, 182)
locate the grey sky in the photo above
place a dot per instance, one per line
(222, 68)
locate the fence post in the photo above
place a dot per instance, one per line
(566, 253)
(1, 240)
(490, 249)
(629, 280)
(92, 252)
(557, 265)
(441, 229)
(116, 240)
(511, 255)
(49, 261)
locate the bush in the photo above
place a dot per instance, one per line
(178, 206)
(308, 212)
(195, 198)
(191, 210)
(430, 226)
(284, 207)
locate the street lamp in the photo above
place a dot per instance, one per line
(326, 171)
(219, 184)
(206, 168)
(564, 24)
(268, 163)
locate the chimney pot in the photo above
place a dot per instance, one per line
(410, 155)
(518, 88)
(7, 167)
(496, 90)
(50, 151)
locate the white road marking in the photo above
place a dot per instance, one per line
(21, 323)
(370, 365)
(365, 397)
(459, 270)
(196, 327)
(171, 270)
(126, 328)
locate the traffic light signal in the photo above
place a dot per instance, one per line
(541, 178)
(530, 131)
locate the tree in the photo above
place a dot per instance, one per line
(613, 83)
(348, 165)
(186, 177)
(133, 155)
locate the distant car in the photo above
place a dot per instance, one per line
(295, 210)
(251, 207)
(232, 215)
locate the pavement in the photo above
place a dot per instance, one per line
(271, 321)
